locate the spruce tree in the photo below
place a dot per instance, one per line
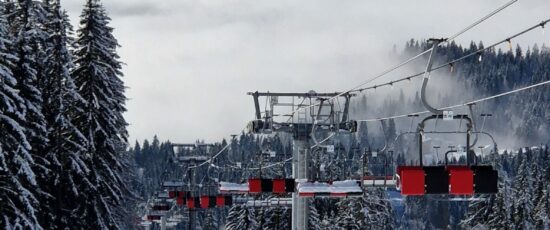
(523, 189)
(67, 176)
(241, 217)
(17, 202)
(29, 45)
(542, 208)
(314, 219)
(26, 23)
(378, 207)
(97, 77)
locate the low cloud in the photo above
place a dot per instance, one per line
(140, 9)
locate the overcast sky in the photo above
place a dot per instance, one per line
(191, 62)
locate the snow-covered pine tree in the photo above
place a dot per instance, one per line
(523, 189)
(241, 217)
(29, 46)
(377, 210)
(541, 213)
(415, 214)
(97, 77)
(211, 220)
(67, 174)
(499, 215)
(349, 215)
(17, 202)
(231, 221)
(314, 220)
(283, 219)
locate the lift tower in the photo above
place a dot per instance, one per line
(307, 115)
(192, 155)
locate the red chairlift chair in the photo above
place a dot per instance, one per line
(448, 179)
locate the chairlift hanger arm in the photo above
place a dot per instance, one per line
(385, 136)
(473, 123)
(345, 115)
(427, 77)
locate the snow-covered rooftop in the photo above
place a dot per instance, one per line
(349, 187)
(228, 187)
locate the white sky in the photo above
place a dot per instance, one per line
(191, 62)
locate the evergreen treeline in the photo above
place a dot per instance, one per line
(524, 191)
(63, 136)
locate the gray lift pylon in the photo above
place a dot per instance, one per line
(301, 131)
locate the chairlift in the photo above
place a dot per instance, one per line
(153, 217)
(463, 179)
(160, 205)
(386, 179)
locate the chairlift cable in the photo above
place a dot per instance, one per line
(462, 104)
(393, 68)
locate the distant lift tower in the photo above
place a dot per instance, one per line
(304, 115)
(192, 155)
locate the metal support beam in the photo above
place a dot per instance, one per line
(300, 205)
(192, 213)
(256, 104)
(163, 222)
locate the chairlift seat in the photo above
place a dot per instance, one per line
(220, 201)
(180, 201)
(485, 179)
(412, 180)
(267, 185)
(205, 201)
(172, 194)
(461, 180)
(290, 185)
(161, 207)
(279, 185)
(212, 201)
(182, 194)
(176, 194)
(228, 200)
(191, 202)
(197, 202)
(255, 185)
(436, 179)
